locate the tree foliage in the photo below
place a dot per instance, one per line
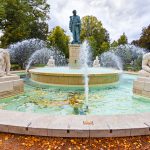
(23, 19)
(144, 40)
(114, 44)
(58, 38)
(123, 39)
(2, 11)
(93, 31)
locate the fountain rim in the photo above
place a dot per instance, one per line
(73, 77)
(36, 71)
(74, 126)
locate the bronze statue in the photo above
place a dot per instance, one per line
(75, 27)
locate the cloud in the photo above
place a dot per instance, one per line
(117, 16)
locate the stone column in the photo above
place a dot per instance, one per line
(74, 56)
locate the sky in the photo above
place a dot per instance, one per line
(117, 16)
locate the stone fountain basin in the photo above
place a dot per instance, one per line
(74, 77)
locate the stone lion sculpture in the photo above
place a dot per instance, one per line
(145, 65)
(4, 62)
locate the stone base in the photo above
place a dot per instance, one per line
(143, 73)
(142, 86)
(10, 85)
(74, 56)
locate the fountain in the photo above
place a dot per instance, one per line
(52, 91)
(71, 76)
(77, 73)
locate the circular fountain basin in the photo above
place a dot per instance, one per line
(74, 77)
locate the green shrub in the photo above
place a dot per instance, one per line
(15, 67)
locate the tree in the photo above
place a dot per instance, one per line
(23, 20)
(144, 40)
(114, 44)
(2, 11)
(123, 40)
(58, 38)
(93, 31)
(105, 46)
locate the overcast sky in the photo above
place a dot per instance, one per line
(117, 16)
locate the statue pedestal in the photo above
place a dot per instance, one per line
(10, 85)
(74, 56)
(142, 86)
(143, 73)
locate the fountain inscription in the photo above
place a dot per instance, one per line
(74, 56)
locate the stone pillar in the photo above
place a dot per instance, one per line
(74, 56)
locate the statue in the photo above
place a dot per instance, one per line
(75, 27)
(51, 62)
(141, 86)
(4, 63)
(145, 66)
(96, 62)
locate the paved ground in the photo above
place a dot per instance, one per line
(19, 142)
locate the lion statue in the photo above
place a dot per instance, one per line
(145, 66)
(4, 62)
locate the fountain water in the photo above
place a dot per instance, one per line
(43, 55)
(118, 57)
(84, 59)
(21, 51)
(109, 59)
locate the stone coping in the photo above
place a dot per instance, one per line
(72, 75)
(126, 72)
(74, 126)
